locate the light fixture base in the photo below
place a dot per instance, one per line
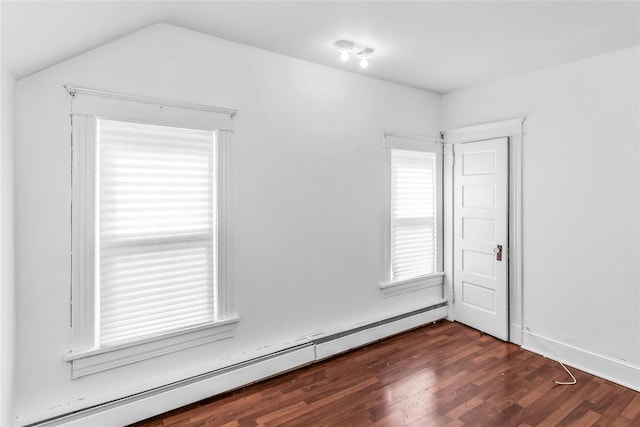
(345, 47)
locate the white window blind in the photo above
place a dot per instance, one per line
(413, 206)
(156, 253)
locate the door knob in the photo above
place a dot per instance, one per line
(498, 252)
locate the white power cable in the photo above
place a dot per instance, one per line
(570, 374)
(573, 379)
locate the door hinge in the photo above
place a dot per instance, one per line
(453, 156)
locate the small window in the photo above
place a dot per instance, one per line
(412, 229)
(413, 214)
(149, 235)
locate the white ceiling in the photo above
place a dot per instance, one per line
(435, 45)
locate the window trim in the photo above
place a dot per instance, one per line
(85, 356)
(409, 142)
(100, 359)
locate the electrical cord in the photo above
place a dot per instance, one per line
(573, 379)
(570, 374)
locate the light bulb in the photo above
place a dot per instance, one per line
(344, 54)
(364, 62)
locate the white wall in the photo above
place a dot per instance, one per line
(306, 210)
(581, 209)
(7, 260)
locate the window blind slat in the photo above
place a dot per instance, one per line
(154, 310)
(157, 220)
(153, 318)
(413, 214)
(143, 283)
(159, 328)
(138, 242)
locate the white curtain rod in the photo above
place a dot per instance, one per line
(74, 90)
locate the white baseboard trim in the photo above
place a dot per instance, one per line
(144, 405)
(515, 334)
(616, 370)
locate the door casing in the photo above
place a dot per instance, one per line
(513, 130)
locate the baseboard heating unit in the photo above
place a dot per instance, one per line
(317, 347)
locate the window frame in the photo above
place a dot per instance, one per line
(410, 142)
(86, 356)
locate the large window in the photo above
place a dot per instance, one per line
(149, 234)
(156, 230)
(413, 224)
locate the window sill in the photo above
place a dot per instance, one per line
(91, 361)
(411, 285)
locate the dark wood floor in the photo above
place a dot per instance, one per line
(444, 374)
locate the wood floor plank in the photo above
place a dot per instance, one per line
(565, 409)
(442, 374)
(632, 410)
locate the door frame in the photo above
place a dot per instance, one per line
(513, 130)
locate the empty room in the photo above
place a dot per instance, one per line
(320, 213)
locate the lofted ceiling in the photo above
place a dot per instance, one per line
(442, 46)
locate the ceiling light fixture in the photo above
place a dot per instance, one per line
(344, 50)
(364, 57)
(345, 47)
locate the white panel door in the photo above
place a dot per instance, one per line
(480, 236)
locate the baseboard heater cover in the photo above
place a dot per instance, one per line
(378, 323)
(334, 344)
(146, 404)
